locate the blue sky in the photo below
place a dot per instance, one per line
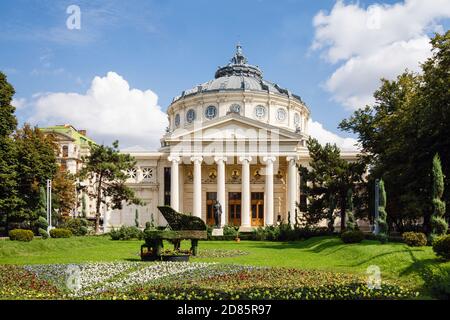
(169, 46)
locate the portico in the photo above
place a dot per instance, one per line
(250, 193)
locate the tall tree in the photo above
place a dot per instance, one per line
(36, 163)
(329, 180)
(438, 224)
(64, 191)
(400, 133)
(108, 168)
(8, 161)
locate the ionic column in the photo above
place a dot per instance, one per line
(292, 187)
(268, 219)
(174, 183)
(245, 214)
(221, 186)
(197, 203)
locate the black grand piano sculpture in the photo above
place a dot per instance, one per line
(179, 227)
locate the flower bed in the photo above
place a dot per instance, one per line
(182, 280)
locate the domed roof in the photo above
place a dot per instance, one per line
(238, 75)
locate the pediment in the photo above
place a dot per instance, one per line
(233, 127)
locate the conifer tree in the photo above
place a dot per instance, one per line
(438, 224)
(382, 223)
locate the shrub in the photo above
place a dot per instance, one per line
(415, 239)
(352, 236)
(437, 282)
(43, 233)
(41, 223)
(230, 231)
(60, 233)
(78, 226)
(21, 235)
(441, 246)
(126, 233)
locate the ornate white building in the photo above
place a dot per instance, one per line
(236, 139)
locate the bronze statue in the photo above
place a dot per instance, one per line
(217, 214)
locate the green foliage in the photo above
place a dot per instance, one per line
(126, 233)
(437, 281)
(352, 236)
(441, 246)
(109, 167)
(83, 206)
(9, 198)
(230, 231)
(60, 233)
(41, 223)
(78, 226)
(403, 130)
(21, 235)
(415, 239)
(351, 222)
(438, 224)
(329, 181)
(43, 233)
(268, 233)
(180, 221)
(382, 223)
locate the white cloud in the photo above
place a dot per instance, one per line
(316, 130)
(380, 41)
(109, 110)
(19, 103)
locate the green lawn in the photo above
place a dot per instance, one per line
(396, 260)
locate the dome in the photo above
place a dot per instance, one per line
(238, 75)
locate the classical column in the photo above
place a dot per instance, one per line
(292, 187)
(221, 186)
(268, 219)
(197, 201)
(174, 183)
(245, 214)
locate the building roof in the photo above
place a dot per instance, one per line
(68, 130)
(238, 75)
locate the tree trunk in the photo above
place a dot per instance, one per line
(97, 209)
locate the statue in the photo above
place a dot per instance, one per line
(217, 214)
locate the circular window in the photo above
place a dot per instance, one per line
(190, 115)
(211, 112)
(281, 114)
(296, 119)
(235, 108)
(177, 120)
(260, 111)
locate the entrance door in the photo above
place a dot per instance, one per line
(257, 209)
(234, 208)
(210, 201)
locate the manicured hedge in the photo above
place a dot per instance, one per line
(352, 236)
(21, 235)
(60, 233)
(415, 239)
(441, 246)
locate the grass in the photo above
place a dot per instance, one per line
(395, 260)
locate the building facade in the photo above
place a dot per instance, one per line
(236, 139)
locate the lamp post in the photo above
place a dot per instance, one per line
(49, 204)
